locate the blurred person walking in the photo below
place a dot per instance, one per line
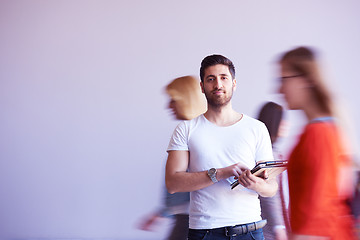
(272, 208)
(318, 167)
(186, 102)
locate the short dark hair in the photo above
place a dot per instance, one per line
(215, 59)
(271, 115)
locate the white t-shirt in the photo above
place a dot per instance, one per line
(247, 142)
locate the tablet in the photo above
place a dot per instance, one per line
(273, 169)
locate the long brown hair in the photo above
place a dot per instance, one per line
(303, 60)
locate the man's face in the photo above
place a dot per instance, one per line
(218, 85)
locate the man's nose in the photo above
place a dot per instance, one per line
(218, 83)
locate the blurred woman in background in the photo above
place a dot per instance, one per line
(318, 168)
(272, 209)
(186, 102)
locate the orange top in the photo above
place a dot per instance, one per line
(314, 168)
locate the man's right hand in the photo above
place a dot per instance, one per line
(234, 170)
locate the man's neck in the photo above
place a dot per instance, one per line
(222, 116)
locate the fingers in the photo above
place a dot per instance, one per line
(248, 180)
(230, 171)
(236, 171)
(266, 175)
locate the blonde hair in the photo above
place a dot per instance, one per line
(187, 93)
(303, 61)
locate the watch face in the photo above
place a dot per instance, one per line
(212, 171)
(212, 175)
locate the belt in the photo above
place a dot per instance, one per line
(244, 228)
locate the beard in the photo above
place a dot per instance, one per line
(218, 101)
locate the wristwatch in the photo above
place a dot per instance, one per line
(212, 174)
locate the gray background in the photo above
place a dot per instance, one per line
(83, 123)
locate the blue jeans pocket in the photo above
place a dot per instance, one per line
(257, 234)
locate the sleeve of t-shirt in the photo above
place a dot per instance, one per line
(263, 146)
(179, 138)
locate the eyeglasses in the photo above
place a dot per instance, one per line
(282, 79)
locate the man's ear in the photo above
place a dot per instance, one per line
(202, 86)
(234, 84)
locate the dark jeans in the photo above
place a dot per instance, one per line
(219, 234)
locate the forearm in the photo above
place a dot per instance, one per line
(187, 182)
(179, 180)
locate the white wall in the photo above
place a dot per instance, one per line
(83, 125)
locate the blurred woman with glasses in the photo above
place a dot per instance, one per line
(319, 169)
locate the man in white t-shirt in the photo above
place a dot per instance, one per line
(205, 154)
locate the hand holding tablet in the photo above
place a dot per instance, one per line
(273, 168)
